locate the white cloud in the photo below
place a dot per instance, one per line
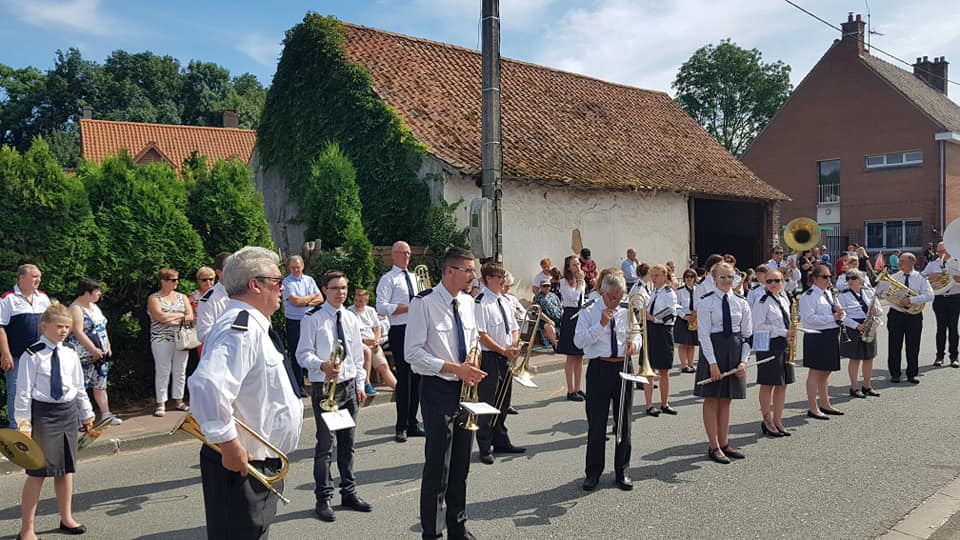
(514, 14)
(83, 16)
(260, 49)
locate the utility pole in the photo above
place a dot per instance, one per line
(492, 151)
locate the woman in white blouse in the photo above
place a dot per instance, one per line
(771, 314)
(856, 302)
(685, 338)
(572, 297)
(819, 310)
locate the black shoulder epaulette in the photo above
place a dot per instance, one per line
(706, 295)
(206, 296)
(764, 298)
(35, 348)
(738, 295)
(240, 323)
(478, 298)
(588, 303)
(424, 293)
(314, 309)
(808, 291)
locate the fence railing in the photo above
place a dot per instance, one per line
(829, 194)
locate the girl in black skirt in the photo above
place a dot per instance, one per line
(571, 296)
(771, 313)
(661, 313)
(820, 311)
(723, 327)
(50, 402)
(683, 337)
(856, 301)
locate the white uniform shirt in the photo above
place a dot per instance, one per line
(318, 337)
(767, 314)
(519, 312)
(241, 373)
(934, 267)
(431, 337)
(595, 340)
(854, 313)
(210, 307)
(392, 292)
(685, 298)
(816, 309)
(490, 321)
(705, 287)
(663, 302)
(755, 293)
(571, 296)
(710, 320)
(33, 379)
(919, 284)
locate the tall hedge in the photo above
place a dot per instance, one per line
(317, 97)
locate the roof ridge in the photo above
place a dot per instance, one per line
(169, 126)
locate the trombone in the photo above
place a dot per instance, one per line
(469, 393)
(189, 425)
(636, 324)
(336, 358)
(422, 274)
(520, 366)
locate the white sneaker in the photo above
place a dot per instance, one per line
(114, 420)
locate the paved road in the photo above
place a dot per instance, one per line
(850, 477)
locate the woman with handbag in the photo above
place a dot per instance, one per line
(170, 312)
(88, 337)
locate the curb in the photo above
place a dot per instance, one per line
(923, 521)
(110, 447)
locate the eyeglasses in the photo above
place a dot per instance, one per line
(828, 276)
(778, 253)
(774, 280)
(206, 279)
(174, 279)
(852, 278)
(471, 271)
(271, 279)
(724, 278)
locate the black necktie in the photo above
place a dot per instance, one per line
(461, 338)
(863, 305)
(727, 318)
(653, 301)
(906, 279)
(343, 340)
(503, 313)
(690, 292)
(614, 351)
(56, 378)
(406, 276)
(275, 338)
(786, 316)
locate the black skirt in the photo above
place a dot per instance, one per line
(568, 326)
(55, 428)
(727, 350)
(822, 351)
(856, 348)
(776, 372)
(682, 334)
(661, 345)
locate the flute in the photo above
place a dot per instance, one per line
(726, 374)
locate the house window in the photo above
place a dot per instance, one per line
(895, 159)
(894, 234)
(829, 184)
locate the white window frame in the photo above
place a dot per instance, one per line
(885, 157)
(903, 234)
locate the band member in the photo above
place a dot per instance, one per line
(572, 288)
(50, 403)
(946, 306)
(723, 328)
(685, 338)
(851, 262)
(602, 333)
(441, 326)
(902, 326)
(20, 311)
(300, 293)
(788, 270)
(499, 335)
(707, 284)
(394, 293)
(661, 313)
(758, 288)
(241, 375)
(320, 332)
(856, 302)
(819, 310)
(771, 314)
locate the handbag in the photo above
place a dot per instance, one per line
(186, 337)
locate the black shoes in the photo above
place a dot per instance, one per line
(869, 391)
(955, 363)
(653, 411)
(857, 394)
(624, 482)
(769, 432)
(354, 502)
(416, 431)
(509, 449)
(79, 529)
(666, 409)
(401, 436)
(511, 410)
(831, 412)
(913, 380)
(895, 379)
(325, 512)
(812, 414)
(938, 362)
(731, 453)
(590, 483)
(486, 459)
(784, 432)
(715, 455)
(582, 394)
(574, 396)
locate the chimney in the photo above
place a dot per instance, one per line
(231, 119)
(933, 73)
(87, 112)
(853, 33)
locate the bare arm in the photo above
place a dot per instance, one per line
(156, 312)
(76, 314)
(6, 358)
(187, 311)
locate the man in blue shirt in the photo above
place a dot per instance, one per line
(20, 311)
(300, 293)
(629, 267)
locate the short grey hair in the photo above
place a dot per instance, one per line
(909, 256)
(613, 282)
(25, 269)
(862, 276)
(246, 264)
(294, 258)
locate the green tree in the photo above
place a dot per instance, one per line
(224, 206)
(731, 92)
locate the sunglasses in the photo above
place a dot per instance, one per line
(778, 253)
(774, 280)
(174, 279)
(828, 276)
(852, 278)
(206, 279)
(725, 278)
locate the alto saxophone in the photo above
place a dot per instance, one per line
(794, 324)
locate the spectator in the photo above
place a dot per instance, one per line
(555, 277)
(805, 264)
(89, 338)
(168, 310)
(550, 311)
(672, 275)
(519, 312)
(895, 262)
(205, 279)
(300, 292)
(629, 268)
(929, 254)
(545, 266)
(863, 264)
(214, 300)
(589, 268)
(370, 334)
(20, 311)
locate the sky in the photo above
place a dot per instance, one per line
(634, 42)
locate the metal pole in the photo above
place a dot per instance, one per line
(492, 151)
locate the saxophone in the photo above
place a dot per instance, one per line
(873, 321)
(794, 324)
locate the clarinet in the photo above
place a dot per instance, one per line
(837, 308)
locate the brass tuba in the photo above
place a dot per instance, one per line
(330, 387)
(423, 277)
(898, 291)
(801, 234)
(941, 281)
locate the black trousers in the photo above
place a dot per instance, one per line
(947, 310)
(408, 382)
(346, 397)
(293, 367)
(903, 327)
(237, 507)
(603, 386)
(447, 460)
(498, 380)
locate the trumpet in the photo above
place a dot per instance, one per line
(330, 387)
(520, 367)
(188, 424)
(423, 277)
(469, 393)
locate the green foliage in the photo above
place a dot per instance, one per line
(441, 228)
(48, 220)
(224, 206)
(317, 97)
(731, 92)
(64, 147)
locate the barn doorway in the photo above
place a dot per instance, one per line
(734, 227)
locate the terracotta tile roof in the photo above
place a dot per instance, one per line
(936, 105)
(557, 126)
(163, 142)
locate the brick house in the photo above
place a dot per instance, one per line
(866, 148)
(625, 166)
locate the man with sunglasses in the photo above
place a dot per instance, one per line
(787, 267)
(213, 301)
(904, 327)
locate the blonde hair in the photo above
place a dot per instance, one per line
(56, 312)
(205, 271)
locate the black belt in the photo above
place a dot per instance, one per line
(859, 321)
(608, 358)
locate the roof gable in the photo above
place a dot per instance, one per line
(937, 106)
(557, 126)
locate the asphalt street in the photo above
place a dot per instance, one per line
(850, 477)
